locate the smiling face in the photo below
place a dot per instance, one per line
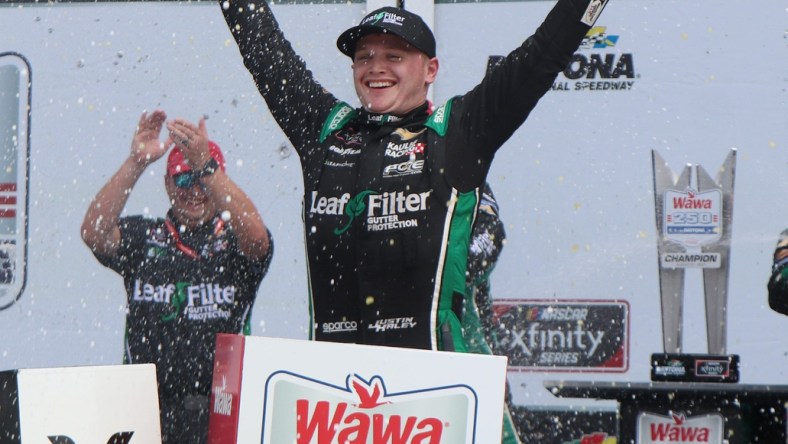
(191, 206)
(391, 76)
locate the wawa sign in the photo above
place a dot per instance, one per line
(679, 428)
(275, 390)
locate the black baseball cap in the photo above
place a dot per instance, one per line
(390, 20)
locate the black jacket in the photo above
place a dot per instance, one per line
(389, 201)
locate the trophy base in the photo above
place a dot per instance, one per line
(681, 367)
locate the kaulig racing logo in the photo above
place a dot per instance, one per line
(305, 411)
(598, 71)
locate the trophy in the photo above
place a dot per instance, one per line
(694, 232)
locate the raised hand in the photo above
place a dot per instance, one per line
(146, 147)
(192, 140)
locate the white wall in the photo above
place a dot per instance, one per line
(574, 184)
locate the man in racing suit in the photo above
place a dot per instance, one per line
(189, 275)
(391, 189)
(778, 281)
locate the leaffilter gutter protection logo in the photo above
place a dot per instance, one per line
(385, 17)
(304, 410)
(354, 208)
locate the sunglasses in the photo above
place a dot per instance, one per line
(185, 180)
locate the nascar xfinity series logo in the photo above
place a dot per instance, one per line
(303, 410)
(386, 211)
(589, 336)
(593, 69)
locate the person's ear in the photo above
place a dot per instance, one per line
(432, 70)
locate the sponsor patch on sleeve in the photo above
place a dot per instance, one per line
(593, 11)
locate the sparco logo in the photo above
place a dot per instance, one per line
(676, 428)
(364, 412)
(440, 114)
(340, 326)
(336, 122)
(392, 324)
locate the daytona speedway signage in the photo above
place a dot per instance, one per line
(275, 390)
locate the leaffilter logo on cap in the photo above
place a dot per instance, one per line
(384, 17)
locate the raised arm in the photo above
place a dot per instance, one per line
(499, 105)
(100, 230)
(295, 99)
(226, 195)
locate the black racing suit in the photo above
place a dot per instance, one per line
(177, 304)
(778, 281)
(389, 201)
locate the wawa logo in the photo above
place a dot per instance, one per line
(692, 201)
(693, 218)
(306, 411)
(677, 428)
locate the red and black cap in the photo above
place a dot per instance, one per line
(176, 161)
(389, 20)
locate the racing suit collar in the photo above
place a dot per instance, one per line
(418, 115)
(206, 227)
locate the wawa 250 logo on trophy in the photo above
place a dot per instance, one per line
(694, 219)
(305, 410)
